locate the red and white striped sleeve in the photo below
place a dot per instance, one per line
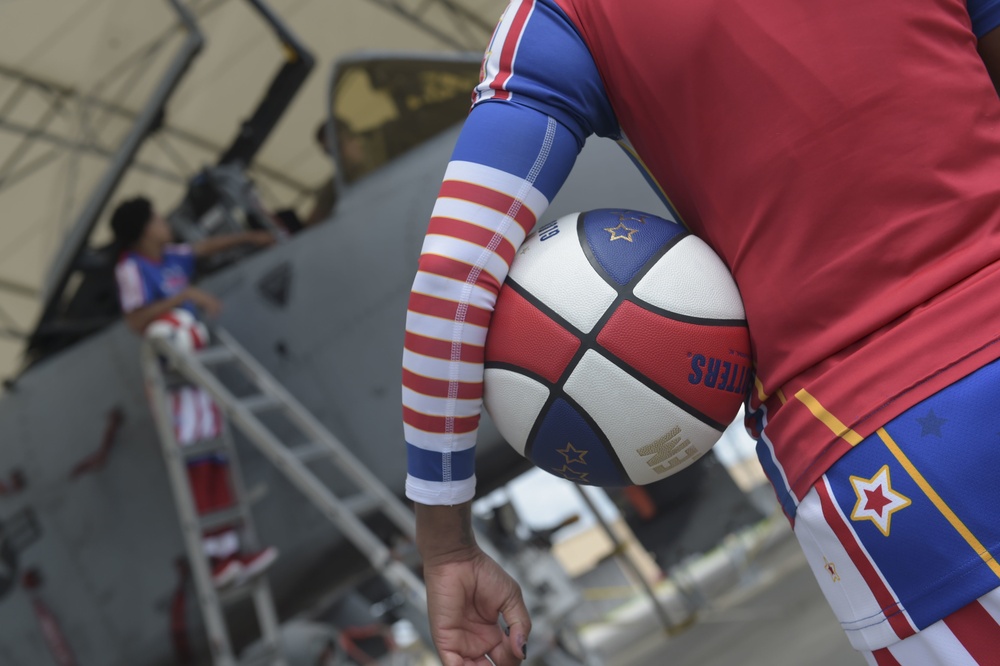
(540, 97)
(481, 217)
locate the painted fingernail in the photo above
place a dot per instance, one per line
(506, 630)
(524, 650)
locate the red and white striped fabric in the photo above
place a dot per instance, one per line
(196, 416)
(855, 587)
(968, 637)
(481, 217)
(852, 584)
(498, 61)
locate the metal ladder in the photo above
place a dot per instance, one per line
(160, 378)
(199, 368)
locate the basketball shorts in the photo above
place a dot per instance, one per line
(968, 637)
(211, 490)
(196, 416)
(903, 531)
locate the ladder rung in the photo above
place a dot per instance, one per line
(344, 512)
(236, 512)
(204, 448)
(228, 516)
(362, 503)
(231, 595)
(215, 355)
(256, 494)
(307, 453)
(260, 403)
(262, 655)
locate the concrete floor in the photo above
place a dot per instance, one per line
(778, 618)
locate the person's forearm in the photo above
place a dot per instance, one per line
(444, 533)
(214, 244)
(139, 319)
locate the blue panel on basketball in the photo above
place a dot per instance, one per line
(615, 239)
(567, 446)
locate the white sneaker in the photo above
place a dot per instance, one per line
(226, 571)
(256, 563)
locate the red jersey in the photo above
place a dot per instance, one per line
(843, 158)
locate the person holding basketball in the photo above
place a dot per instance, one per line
(843, 159)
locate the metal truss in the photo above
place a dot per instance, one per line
(470, 29)
(69, 104)
(72, 125)
(47, 122)
(50, 121)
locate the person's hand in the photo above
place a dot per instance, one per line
(465, 597)
(209, 304)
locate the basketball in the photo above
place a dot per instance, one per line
(180, 327)
(618, 351)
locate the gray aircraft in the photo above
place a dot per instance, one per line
(91, 557)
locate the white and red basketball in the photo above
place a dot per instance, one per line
(180, 327)
(618, 352)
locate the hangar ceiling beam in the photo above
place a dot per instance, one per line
(72, 103)
(471, 30)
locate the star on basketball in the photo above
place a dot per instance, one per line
(572, 454)
(631, 218)
(572, 474)
(877, 501)
(593, 420)
(621, 232)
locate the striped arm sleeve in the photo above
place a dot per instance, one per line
(507, 166)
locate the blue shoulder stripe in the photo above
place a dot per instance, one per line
(526, 134)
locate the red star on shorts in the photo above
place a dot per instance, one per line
(876, 500)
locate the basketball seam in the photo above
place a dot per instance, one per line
(588, 252)
(589, 341)
(627, 290)
(556, 392)
(687, 319)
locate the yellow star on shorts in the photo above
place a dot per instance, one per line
(877, 501)
(621, 232)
